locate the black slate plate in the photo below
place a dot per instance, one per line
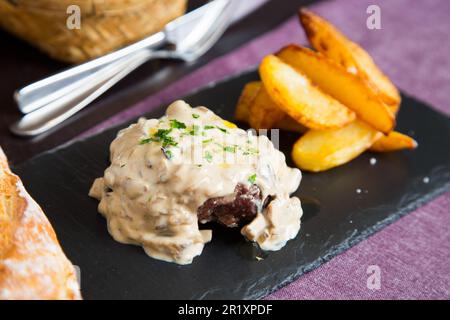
(336, 216)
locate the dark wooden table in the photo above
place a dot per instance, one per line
(21, 64)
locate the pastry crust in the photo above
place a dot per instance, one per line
(32, 263)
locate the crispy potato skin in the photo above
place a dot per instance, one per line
(264, 112)
(377, 80)
(289, 124)
(347, 88)
(246, 100)
(294, 93)
(248, 95)
(325, 38)
(393, 142)
(394, 108)
(320, 150)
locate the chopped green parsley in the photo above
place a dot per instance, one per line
(167, 153)
(174, 123)
(222, 129)
(229, 149)
(194, 130)
(162, 136)
(208, 156)
(251, 151)
(145, 141)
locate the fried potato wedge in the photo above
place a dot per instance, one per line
(377, 80)
(246, 100)
(392, 142)
(294, 93)
(345, 87)
(394, 108)
(264, 112)
(319, 150)
(289, 124)
(248, 95)
(325, 38)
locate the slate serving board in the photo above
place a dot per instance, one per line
(335, 217)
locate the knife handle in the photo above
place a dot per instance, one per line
(57, 111)
(46, 91)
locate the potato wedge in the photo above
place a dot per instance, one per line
(392, 142)
(377, 80)
(319, 150)
(242, 112)
(340, 84)
(325, 38)
(394, 108)
(246, 99)
(289, 124)
(293, 92)
(264, 113)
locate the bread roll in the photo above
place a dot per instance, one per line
(32, 263)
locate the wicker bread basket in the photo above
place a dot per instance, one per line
(105, 24)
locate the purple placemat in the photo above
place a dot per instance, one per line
(412, 256)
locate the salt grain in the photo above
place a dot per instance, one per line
(426, 180)
(358, 190)
(373, 161)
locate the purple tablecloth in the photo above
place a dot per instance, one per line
(413, 47)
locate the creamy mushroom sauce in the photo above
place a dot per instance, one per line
(162, 170)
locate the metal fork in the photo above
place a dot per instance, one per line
(53, 100)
